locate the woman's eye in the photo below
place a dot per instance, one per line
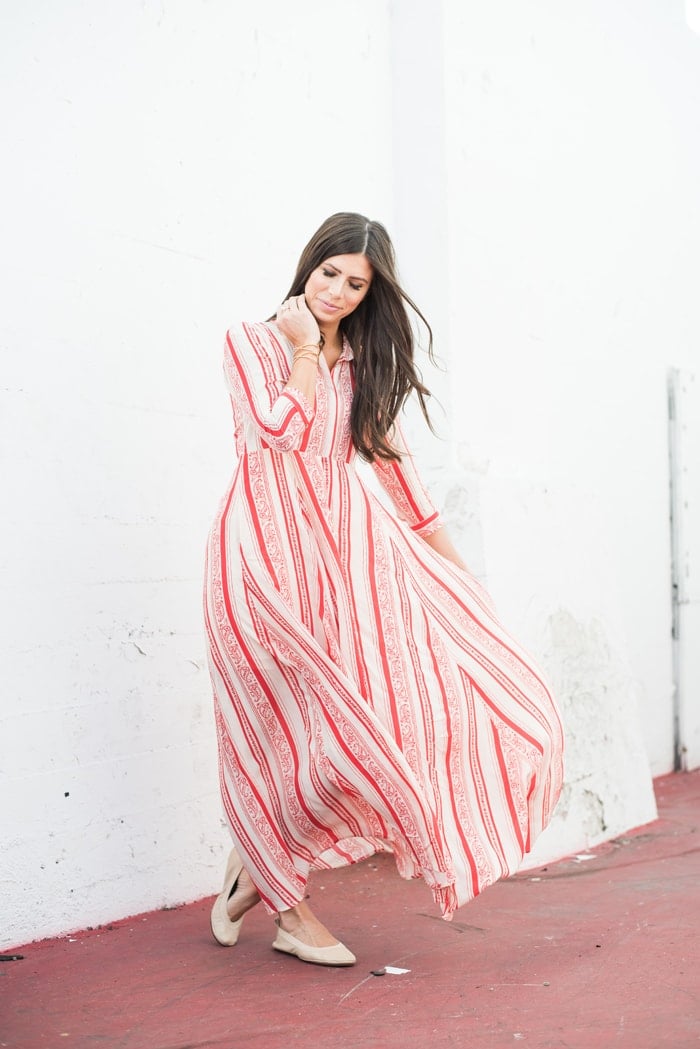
(332, 273)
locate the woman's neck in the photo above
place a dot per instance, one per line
(332, 338)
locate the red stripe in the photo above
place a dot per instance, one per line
(507, 789)
(448, 761)
(379, 638)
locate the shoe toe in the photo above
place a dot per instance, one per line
(336, 954)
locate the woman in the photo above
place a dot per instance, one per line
(366, 698)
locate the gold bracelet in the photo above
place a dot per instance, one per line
(308, 345)
(305, 357)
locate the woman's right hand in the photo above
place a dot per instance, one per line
(296, 321)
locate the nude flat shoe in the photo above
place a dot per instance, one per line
(337, 954)
(223, 929)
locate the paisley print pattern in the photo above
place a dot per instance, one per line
(366, 698)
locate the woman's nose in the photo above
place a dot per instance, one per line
(336, 286)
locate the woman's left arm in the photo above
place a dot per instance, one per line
(442, 544)
(412, 500)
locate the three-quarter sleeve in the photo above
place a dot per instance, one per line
(409, 495)
(256, 366)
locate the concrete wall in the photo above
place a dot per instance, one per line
(574, 162)
(570, 164)
(170, 160)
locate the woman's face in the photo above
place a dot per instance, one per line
(337, 287)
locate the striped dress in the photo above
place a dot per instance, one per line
(366, 698)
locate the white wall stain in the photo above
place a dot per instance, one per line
(607, 788)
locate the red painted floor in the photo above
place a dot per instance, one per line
(598, 953)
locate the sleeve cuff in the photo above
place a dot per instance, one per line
(428, 526)
(300, 401)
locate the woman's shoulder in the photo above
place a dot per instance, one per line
(242, 329)
(262, 338)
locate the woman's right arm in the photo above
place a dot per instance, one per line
(280, 404)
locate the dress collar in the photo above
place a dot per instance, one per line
(346, 353)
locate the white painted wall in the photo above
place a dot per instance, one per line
(684, 438)
(566, 158)
(574, 162)
(170, 159)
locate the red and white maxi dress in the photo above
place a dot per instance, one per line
(366, 698)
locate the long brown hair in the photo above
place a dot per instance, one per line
(379, 330)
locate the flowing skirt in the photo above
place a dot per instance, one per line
(366, 697)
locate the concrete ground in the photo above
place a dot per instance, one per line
(600, 950)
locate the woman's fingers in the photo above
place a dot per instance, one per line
(296, 321)
(296, 302)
